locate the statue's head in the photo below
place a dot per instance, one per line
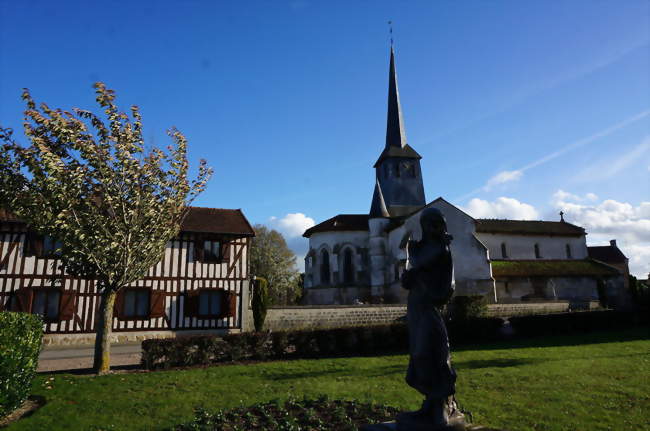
(433, 223)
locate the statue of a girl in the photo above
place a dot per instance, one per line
(429, 282)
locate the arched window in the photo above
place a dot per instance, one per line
(504, 252)
(324, 267)
(568, 251)
(348, 267)
(537, 253)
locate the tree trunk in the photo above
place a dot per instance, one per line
(102, 361)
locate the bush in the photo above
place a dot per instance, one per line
(464, 308)
(21, 335)
(260, 303)
(576, 322)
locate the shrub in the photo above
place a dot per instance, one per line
(464, 308)
(21, 335)
(260, 302)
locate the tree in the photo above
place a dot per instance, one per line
(272, 259)
(88, 181)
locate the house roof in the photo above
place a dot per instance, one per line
(341, 222)
(528, 227)
(607, 254)
(545, 268)
(217, 220)
(198, 219)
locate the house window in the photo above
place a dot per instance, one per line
(324, 267)
(51, 246)
(504, 252)
(211, 251)
(136, 303)
(348, 267)
(537, 253)
(210, 303)
(568, 251)
(46, 303)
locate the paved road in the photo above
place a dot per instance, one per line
(59, 358)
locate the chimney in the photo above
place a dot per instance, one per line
(612, 242)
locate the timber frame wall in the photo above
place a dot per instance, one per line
(176, 277)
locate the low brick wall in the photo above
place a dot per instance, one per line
(331, 316)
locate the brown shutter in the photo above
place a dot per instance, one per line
(228, 304)
(67, 305)
(23, 300)
(118, 306)
(198, 249)
(225, 251)
(157, 304)
(192, 303)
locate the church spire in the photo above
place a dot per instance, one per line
(395, 135)
(378, 206)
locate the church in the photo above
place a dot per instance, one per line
(355, 258)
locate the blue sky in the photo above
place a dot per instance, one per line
(519, 108)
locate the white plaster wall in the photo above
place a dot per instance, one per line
(328, 241)
(472, 270)
(523, 246)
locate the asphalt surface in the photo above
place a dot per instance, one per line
(64, 358)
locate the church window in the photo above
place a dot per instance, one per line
(348, 267)
(538, 255)
(504, 252)
(397, 170)
(568, 251)
(324, 267)
(409, 169)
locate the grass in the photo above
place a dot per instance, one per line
(582, 382)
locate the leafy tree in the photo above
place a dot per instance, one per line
(88, 181)
(272, 259)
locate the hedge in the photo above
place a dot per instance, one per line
(314, 343)
(582, 321)
(21, 335)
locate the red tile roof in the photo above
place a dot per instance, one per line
(198, 219)
(549, 268)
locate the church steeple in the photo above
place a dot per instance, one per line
(395, 135)
(398, 187)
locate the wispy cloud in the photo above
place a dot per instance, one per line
(608, 168)
(518, 173)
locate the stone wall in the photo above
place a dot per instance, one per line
(330, 316)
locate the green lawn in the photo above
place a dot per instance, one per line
(587, 382)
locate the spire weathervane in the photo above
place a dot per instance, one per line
(390, 31)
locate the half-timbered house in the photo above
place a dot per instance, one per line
(200, 285)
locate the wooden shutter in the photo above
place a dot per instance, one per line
(198, 249)
(33, 244)
(157, 304)
(228, 304)
(225, 251)
(191, 307)
(67, 305)
(23, 300)
(118, 306)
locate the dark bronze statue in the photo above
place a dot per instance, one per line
(429, 282)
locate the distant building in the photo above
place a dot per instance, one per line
(612, 255)
(360, 257)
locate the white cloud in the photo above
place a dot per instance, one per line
(503, 177)
(291, 225)
(503, 207)
(610, 219)
(610, 167)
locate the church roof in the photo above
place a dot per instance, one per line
(341, 222)
(547, 268)
(607, 253)
(378, 205)
(528, 227)
(396, 145)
